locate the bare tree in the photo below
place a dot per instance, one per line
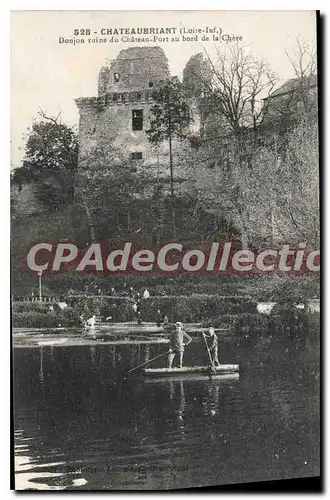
(303, 60)
(297, 97)
(238, 85)
(234, 97)
(251, 169)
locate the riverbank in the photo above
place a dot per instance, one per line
(114, 334)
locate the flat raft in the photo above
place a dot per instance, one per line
(205, 370)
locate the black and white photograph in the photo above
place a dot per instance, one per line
(165, 249)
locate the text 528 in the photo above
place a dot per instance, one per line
(82, 32)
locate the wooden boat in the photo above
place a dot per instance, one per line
(206, 370)
(193, 377)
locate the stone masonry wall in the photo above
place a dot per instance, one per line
(136, 68)
(106, 120)
(108, 125)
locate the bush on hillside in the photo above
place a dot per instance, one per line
(251, 322)
(20, 307)
(286, 318)
(195, 308)
(34, 319)
(223, 321)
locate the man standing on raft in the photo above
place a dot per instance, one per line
(177, 344)
(212, 345)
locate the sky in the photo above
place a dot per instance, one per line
(49, 75)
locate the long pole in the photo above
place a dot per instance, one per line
(147, 362)
(40, 290)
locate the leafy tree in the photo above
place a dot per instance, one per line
(169, 115)
(112, 192)
(169, 118)
(50, 160)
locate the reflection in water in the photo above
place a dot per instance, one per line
(212, 399)
(79, 426)
(92, 353)
(41, 371)
(52, 353)
(146, 352)
(112, 352)
(176, 393)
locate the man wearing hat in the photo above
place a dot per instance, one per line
(213, 345)
(177, 344)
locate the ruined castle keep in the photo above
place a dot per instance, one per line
(117, 119)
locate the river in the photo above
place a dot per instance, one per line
(79, 425)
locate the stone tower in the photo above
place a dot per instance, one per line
(119, 116)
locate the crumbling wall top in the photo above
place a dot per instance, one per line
(135, 68)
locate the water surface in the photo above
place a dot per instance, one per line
(79, 425)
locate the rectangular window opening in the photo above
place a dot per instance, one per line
(137, 155)
(137, 119)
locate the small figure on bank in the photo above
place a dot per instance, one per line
(177, 344)
(165, 322)
(158, 318)
(212, 345)
(90, 323)
(137, 309)
(146, 294)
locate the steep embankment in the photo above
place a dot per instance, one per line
(26, 230)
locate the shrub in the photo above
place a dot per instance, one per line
(210, 309)
(222, 321)
(287, 318)
(119, 308)
(120, 311)
(195, 308)
(251, 323)
(284, 289)
(34, 319)
(21, 307)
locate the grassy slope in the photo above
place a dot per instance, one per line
(46, 226)
(70, 223)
